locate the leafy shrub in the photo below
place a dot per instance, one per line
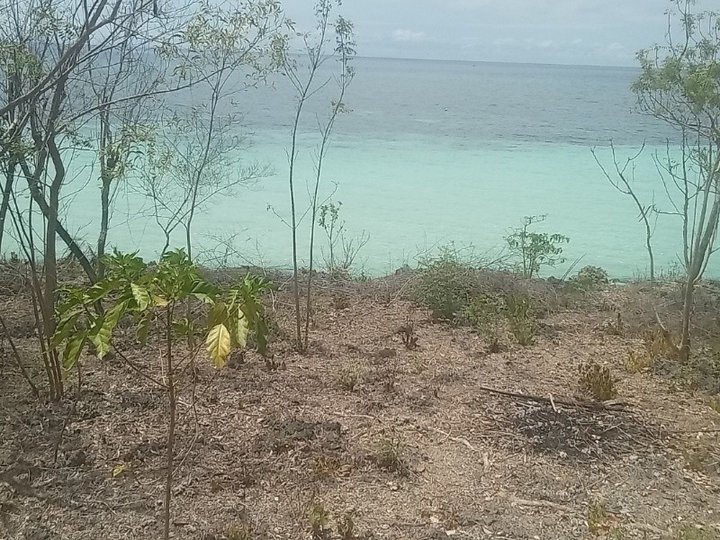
(590, 277)
(445, 285)
(597, 381)
(519, 313)
(535, 250)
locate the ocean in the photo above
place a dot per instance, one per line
(433, 153)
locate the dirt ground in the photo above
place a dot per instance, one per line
(405, 443)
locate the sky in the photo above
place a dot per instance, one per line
(583, 32)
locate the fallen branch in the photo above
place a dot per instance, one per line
(602, 405)
(543, 504)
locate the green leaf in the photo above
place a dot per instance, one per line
(143, 328)
(72, 351)
(218, 345)
(103, 337)
(65, 328)
(141, 295)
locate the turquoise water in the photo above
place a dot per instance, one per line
(437, 152)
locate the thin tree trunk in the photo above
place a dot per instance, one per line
(294, 227)
(50, 258)
(62, 232)
(5, 204)
(172, 406)
(104, 225)
(688, 295)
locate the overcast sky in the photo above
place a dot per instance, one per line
(594, 32)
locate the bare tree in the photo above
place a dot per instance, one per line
(307, 82)
(197, 156)
(623, 180)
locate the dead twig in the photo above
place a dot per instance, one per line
(543, 504)
(596, 405)
(460, 440)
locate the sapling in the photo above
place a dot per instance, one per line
(153, 298)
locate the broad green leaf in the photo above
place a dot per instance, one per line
(143, 327)
(103, 337)
(141, 295)
(65, 327)
(218, 344)
(72, 351)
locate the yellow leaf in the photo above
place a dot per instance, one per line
(141, 295)
(242, 330)
(119, 469)
(218, 344)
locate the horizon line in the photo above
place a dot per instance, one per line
(553, 64)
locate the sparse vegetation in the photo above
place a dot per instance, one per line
(348, 379)
(519, 312)
(637, 362)
(597, 381)
(354, 407)
(597, 518)
(390, 455)
(346, 527)
(318, 519)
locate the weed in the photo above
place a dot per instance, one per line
(407, 334)
(318, 518)
(390, 456)
(597, 381)
(244, 530)
(658, 345)
(348, 379)
(326, 467)
(484, 315)
(535, 250)
(519, 313)
(346, 527)
(597, 518)
(635, 362)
